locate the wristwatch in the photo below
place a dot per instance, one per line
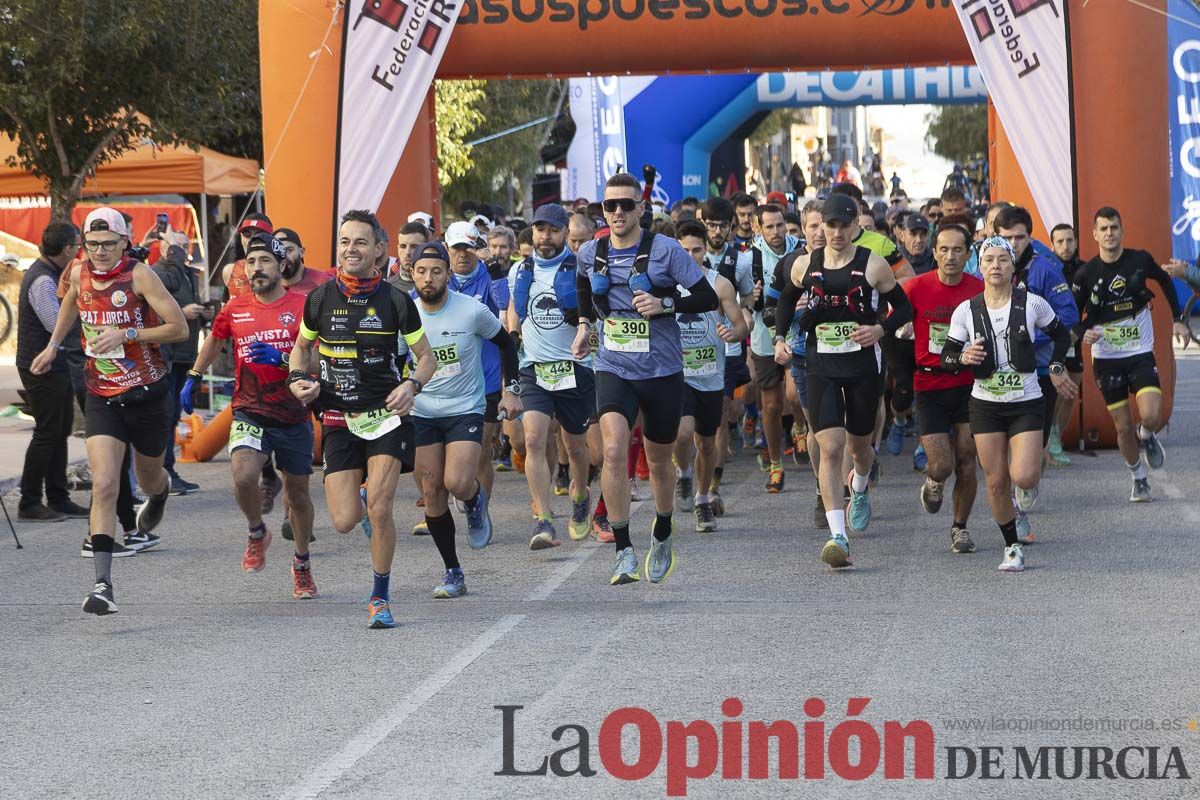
(416, 383)
(514, 389)
(131, 334)
(1057, 369)
(668, 304)
(779, 339)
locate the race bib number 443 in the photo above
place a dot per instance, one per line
(555, 375)
(627, 335)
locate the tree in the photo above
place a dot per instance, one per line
(81, 83)
(958, 133)
(458, 116)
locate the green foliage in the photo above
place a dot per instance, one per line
(458, 116)
(958, 133)
(82, 82)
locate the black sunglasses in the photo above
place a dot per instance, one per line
(624, 203)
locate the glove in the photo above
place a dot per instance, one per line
(649, 173)
(263, 353)
(185, 395)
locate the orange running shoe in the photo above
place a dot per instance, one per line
(518, 460)
(303, 585)
(601, 529)
(255, 557)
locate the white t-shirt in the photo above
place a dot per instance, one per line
(1006, 385)
(1129, 336)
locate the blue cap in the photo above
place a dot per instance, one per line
(552, 214)
(434, 250)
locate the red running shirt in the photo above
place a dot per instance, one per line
(239, 282)
(311, 280)
(260, 389)
(132, 364)
(933, 304)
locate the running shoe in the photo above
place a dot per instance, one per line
(1026, 498)
(764, 460)
(800, 450)
(749, 425)
(544, 536)
(718, 505)
(1014, 559)
(895, 439)
(960, 541)
(775, 481)
(1024, 529)
(836, 552)
(562, 480)
(601, 530)
(706, 521)
(920, 460)
(626, 569)
(1057, 457)
(379, 614)
(140, 540)
(932, 494)
(255, 557)
(366, 518)
(504, 463)
(1141, 491)
(151, 512)
(176, 485)
(286, 531)
(1155, 454)
(119, 550)
(577, 528)
(454, 584)
(191, 487)
(101, 600)
(660, 561)
(858, 514)
(303, 585)
(270, 489)
(421, 529)
(876, 472)
(684, 493)
(635, 491)
(479, 522)
(819, 519)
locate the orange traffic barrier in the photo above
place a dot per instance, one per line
(213, 436)
(191, 424)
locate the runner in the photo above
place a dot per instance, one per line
(1112, 290)
(555, 386)
(296, 275)
(629, 280)
(1007, 408)
(360, 322)
(703, 337)
(126, 314)
(267, 419)
(944, 398)
(234, 275)
(1066, 247)
(844, 282)
(448, 412)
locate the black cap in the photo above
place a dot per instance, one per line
(266, 243)
(840, 208)
(288, 235)
(435, 250)
(915, 222)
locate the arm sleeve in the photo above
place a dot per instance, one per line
(509, 363)
(902, 310)
(1058, 294)
(956, 339)
(786, 310)
(683, 269)
(701, 298)
(1080, 290)
(1155, 272)
(782, 271)
(583, 293)
(43, 296)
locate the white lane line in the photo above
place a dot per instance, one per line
(333, 769)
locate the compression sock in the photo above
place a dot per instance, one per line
(379, 589)
(621, 535)
(258, 531)
(102, 547)
(662, 526)
(1009, 531)
(837, 522)
(441, 530)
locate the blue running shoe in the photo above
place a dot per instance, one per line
(366, 520)
(859, 514)
(920, 460)
(381, 614)
(1024, 529)
(479, 522)
(895, 439)
(660, 561)
(836, 552)
(454, 584)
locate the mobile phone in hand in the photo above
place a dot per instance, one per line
(161, 224)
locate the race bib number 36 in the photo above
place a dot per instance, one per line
(938, 333)
(834, 337)
(627, 335)
(1004, 386)
(372, 424)
(448, 364)
(555, 375)
(700, 361)
(245, 434)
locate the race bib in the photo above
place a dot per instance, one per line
(834, 337)
(938, 333)
(245, 434)
(89, 334)
(372, 424)
(555, 375)
(627, 335)
(1124, 336)
(1004, 386)
(700, 361)
(448, 364)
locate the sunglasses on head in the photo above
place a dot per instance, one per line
(624, 203)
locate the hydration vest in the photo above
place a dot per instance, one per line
(822, 305)
(1021, 356)
(564, 288)
(639, 280)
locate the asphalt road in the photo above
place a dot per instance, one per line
(212, 683)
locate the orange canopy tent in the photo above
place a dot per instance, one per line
(148, 169)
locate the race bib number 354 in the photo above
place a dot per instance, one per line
(627, 335)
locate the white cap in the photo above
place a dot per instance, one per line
(478, 218)
(421, 217)
(105, 219)
(460, 233)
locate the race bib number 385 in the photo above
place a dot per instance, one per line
(627, 335)
(448, 364)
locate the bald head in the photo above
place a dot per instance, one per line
(580, 229)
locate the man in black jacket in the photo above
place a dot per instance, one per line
(181, 282)
(50, 395)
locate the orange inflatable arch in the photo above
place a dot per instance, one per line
(1117, 53)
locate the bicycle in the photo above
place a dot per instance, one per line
(7, 318)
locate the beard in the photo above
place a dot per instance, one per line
(258, 286)
(290, 268)
(432, 295)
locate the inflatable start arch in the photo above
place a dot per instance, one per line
(1118, 111)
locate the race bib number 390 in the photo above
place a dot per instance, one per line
(627, 335)
(834, 337)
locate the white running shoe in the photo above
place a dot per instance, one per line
(1014, 559)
